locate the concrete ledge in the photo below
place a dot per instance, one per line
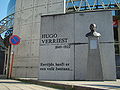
(59, 85)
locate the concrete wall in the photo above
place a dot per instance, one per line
(27, 26)
(72, 59)
(30, 52)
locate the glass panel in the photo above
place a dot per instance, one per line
(11, 7)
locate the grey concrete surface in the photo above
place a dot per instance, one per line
(6, 84)
(74, 27)
(79, 85)
(90, 85)
(27, 25)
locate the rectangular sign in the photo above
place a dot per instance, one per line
(56, 54)
(93, 44)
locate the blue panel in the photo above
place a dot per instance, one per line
(15, 40)
(11, 7)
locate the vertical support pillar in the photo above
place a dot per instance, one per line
(11, 64)
(94, 66)
(119, 34)
(5, 63)
(8, 61)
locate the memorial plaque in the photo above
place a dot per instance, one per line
(56, 54)
(64, 47)
(93, 44)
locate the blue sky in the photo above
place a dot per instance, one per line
(3, 8)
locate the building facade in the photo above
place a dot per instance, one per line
(27, 25)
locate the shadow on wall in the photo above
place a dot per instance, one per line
(2, 58)
(117, 58)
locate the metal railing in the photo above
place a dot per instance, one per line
(6, 23)
(92, 5)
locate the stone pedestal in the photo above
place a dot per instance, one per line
(94, 66)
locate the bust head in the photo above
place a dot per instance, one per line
(93, 27)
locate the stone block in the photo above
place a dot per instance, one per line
(24, 49)
(35, 45)
(58, 25)
(81, 53)
(55, 1)
(101, 19)
(18, 5)
(40, 2)
(56, 8)
(17, 19)
(27, 4)
(36, 30)
(26, 31)
(32, 72)
(16, 30)
(38, 11)
(27, 16)
(108, 61)
(20, 72)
